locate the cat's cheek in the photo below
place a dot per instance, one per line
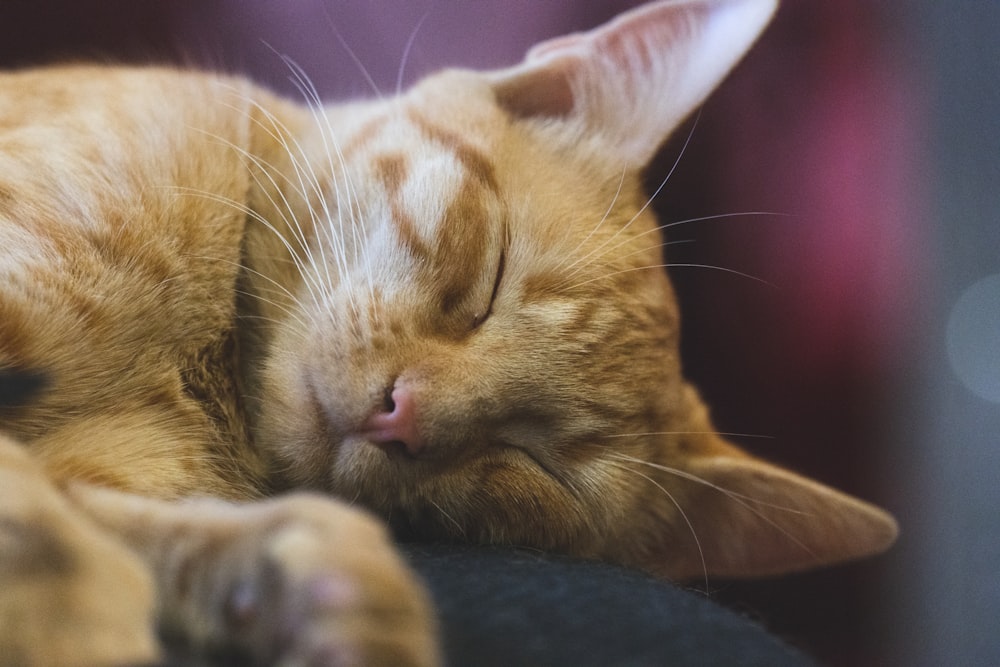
(290, 429)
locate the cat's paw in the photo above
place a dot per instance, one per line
(70, 595)
(319, 584)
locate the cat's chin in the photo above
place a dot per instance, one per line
(490, 496)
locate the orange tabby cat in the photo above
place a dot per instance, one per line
(444, 307)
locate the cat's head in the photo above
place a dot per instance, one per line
(482, 344)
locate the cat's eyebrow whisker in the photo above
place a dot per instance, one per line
(600, 223)
(566, 280)
(683, 474)
(276, 287)
(353, 56)
(661, 228)
(680, 510)
(406, 52)
(720, 216)
(295, 260)
(623, 228)
(314, 103)
(285, 309)
(673, 168)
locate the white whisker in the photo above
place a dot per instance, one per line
(651, 433)
(657, 230)
(246, 210)
(450, 518)
(747, 502)
(668, 266)
(406, 52)
(352, 55)
(680, 510)
(600, 223)
(329, 140)
(268, 169)
(677, 472)
(623, 228)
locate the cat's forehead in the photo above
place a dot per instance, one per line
(421, 161)
(450, 110)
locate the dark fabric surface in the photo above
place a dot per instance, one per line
(17, 387)
(512, 608)
(508, 607)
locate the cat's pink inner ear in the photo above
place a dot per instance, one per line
(754, 519)
(541, 92)
(631, 81)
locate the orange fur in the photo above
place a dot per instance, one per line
(234, 294)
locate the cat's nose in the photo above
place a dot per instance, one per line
(396, 422)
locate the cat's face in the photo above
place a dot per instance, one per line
(482, 343)
(505, 292)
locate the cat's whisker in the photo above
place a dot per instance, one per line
(268, 169)
(719, 216)
(404, 60)
(352, 55)
(270, 320)
(714, 267)
(313, 102)
(670, 173)
(246, 210)
(276, 288)
(680, 510)
(695, 478)
(639, 251)
(614, 200)
(652, 433)
(668, 266)
(329, 140)
(281, 133)
(747, 502)
(353, 205)
(451, 519)
(661, 228)
(307, 174)
(625, 227)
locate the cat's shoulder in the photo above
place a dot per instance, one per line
(68, 80)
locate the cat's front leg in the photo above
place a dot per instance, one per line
(70, 594)
(300, 580)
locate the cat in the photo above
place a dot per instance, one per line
(224, 309)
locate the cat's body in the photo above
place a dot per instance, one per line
(444, 307)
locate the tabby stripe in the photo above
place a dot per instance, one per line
(473, 159)
(359, 139)
(392, 171)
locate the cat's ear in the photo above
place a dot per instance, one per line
(751, 519)
(737, 516)
(633, 80)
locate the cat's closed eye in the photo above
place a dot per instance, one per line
(480, 318)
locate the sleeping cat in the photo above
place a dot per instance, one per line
(444, 307)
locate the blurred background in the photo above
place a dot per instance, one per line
(869, 135)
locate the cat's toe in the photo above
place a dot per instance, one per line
(329, 590)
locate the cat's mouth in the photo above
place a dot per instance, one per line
(396, 450)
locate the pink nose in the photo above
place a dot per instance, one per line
(397, 423)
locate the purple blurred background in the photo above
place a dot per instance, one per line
(869, 133)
